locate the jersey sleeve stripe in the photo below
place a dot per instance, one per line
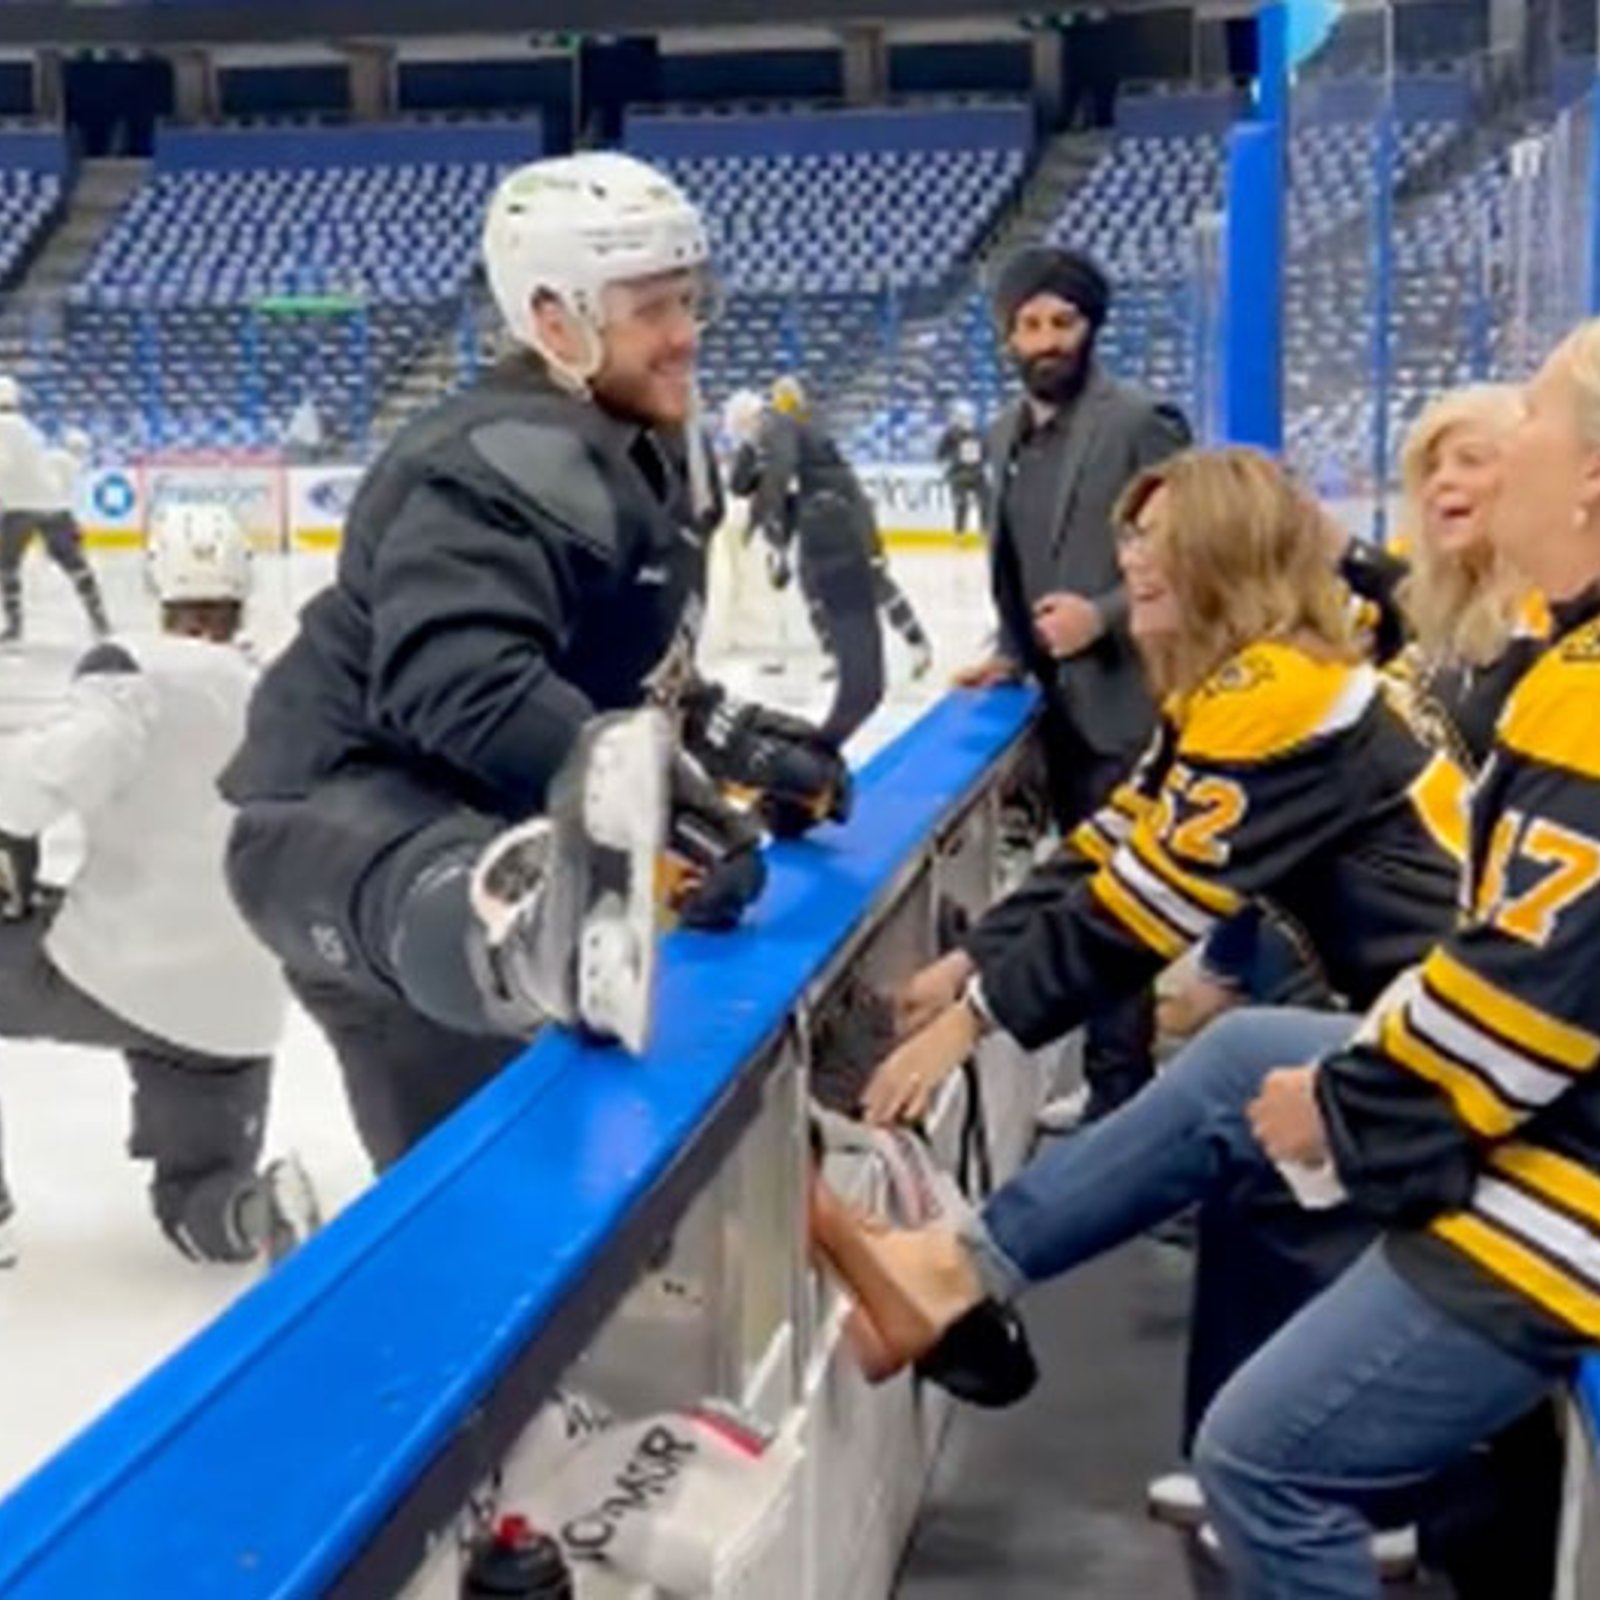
(1524, 1266)
(1565, 1182)
(1141, 921)
(1211, 899)
(1516, 1077)
(1524, 1027)
(1129, 801)
(1475, 1102)
(1090, 841)
(1191, 920)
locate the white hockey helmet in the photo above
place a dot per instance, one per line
(964, 414)
(571, 225)
(197, 552)
(741, 414)
(10, 393)
(76, 442)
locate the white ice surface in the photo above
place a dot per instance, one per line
(98, 1296)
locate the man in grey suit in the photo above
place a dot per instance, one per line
(1062, 454)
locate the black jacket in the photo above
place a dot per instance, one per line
(515, 561)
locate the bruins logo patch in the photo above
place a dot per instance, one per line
(1239, 676)
(1582, 647)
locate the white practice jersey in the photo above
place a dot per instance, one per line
(66, 467)
(30, 479)
(148, 927)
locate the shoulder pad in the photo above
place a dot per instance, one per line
(106, 660)
(1550, 715)
(1270, 699)
(554, 469)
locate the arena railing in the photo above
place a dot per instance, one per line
(325, 1433)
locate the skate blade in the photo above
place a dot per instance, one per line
(626, 799)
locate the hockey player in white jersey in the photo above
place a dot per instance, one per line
(38, 493)
(143, 952)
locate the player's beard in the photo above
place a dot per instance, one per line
(1056, 380)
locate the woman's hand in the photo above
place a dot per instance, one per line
(1286, 1119)
(903, 1087)
(931, 991)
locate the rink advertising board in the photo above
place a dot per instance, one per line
(305, 506)
(319, 500)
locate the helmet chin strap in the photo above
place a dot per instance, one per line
(576, 377)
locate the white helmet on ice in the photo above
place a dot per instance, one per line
(198, 552)
(571, 225)
(10, 392)
(741, 414)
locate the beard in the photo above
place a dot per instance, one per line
(1056, 380)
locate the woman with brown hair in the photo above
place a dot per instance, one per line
(1472, 628)
(1279, 777)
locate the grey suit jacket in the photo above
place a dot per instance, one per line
(1114, 432)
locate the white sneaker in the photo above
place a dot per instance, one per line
(1394, 1551)
(1176, 1500)
(1065, 1113)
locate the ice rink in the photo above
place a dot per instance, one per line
(98, 1296)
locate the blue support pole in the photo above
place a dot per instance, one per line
(1591, 195)
(1382, 306)
(1256, 230)
(1252, 313)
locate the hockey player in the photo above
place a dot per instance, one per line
(144, 952)
(521, 572)
(964, 454)
(38, 489)
(806, 497)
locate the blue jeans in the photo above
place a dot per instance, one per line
(1164, 1150)
(1368, 1392)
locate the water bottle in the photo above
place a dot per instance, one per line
(516, 1563)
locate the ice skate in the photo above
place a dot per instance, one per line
(568, 901)
(9, 1251)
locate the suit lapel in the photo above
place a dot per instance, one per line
(1082, 430)
(1002, 447)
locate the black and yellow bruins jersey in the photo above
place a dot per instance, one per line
(1455, 707)
(1469, 1115)
(1286, 781)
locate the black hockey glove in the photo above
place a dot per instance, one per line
(794, 776)
(19, 877)
(714, 859)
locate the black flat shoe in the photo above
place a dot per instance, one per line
(984, 1358)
